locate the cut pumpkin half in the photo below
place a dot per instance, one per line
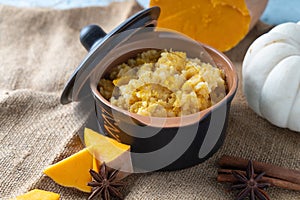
(218, 23)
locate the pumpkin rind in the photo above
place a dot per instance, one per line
(271, 76)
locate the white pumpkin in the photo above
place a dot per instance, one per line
(271, 76)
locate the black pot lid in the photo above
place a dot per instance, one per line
(98, 44)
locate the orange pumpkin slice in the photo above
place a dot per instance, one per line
(115, 154)
(221, 24)
(37, 194)
(74, 170)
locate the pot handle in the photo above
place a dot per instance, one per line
(90, 34)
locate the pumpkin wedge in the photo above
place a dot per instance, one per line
(37, 194)
(218, 23)
(115, 154)
(73, 171)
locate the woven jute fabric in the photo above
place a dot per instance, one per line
(40, 48)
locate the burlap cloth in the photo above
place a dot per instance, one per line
(39, 49)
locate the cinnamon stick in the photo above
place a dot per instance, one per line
(273, 171)
(226, 176)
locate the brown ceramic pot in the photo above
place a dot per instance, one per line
(166, 143)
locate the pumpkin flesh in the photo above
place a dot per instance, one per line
(37, 194)
(218, 23)
(74, 170)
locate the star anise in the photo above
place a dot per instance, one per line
(105, 183)
(251, 185)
